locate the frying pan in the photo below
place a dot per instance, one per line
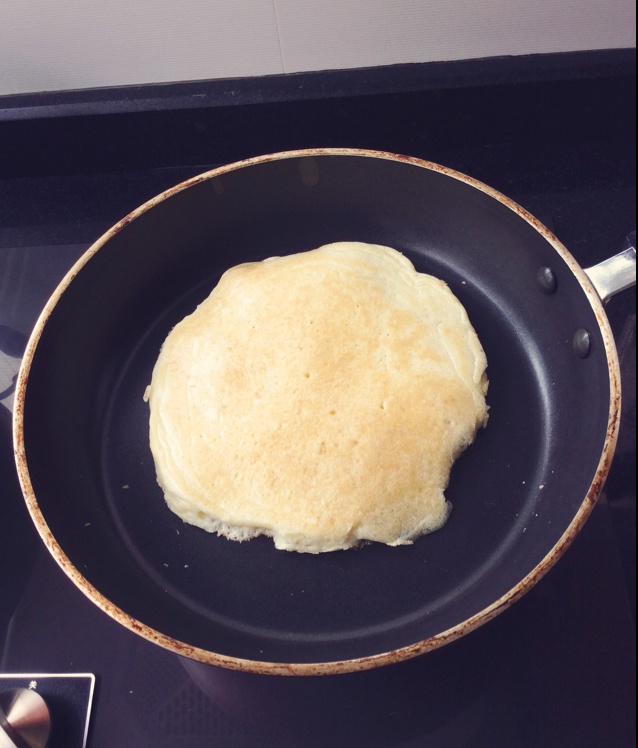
(520, 493)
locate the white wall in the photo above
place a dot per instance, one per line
(71, 44)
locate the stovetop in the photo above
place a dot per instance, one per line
(556, 669)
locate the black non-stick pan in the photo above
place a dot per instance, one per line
(520, 493)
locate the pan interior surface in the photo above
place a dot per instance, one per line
(515, 492)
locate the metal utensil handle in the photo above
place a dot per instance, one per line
(617, 273)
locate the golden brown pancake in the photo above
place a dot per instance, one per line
(319, 398)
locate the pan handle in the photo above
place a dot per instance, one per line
(617, 273)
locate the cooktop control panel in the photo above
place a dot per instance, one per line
(45, 710)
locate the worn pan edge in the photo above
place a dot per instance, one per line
(340, 666)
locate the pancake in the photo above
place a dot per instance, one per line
(319, 398)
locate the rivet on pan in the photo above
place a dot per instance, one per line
(582, 343)
(546, 280)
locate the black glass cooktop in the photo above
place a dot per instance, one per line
(556, 669)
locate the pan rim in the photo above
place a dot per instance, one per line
(345, 665)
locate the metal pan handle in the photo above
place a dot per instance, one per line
(617, 273)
